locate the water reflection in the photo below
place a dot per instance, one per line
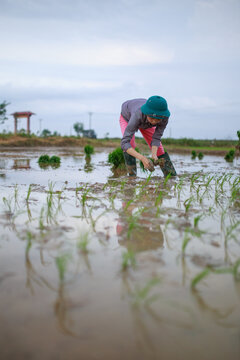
(88, 167)
(217, 315)
(3, 164)
(21, 164)
(137, 233)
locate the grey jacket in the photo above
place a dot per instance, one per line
(131, 112)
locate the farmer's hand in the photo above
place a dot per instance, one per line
(147, 163)
(154, 153)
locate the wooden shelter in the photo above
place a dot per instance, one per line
(22, 114)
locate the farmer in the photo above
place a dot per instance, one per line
(150, 117)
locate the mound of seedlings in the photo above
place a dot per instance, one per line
(46, 160)
(116, 158)
(195, 154)
(229, 157)
(89, 150)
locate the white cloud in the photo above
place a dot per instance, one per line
(196, 103)
(100, 53)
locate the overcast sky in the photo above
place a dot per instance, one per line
(62, 59)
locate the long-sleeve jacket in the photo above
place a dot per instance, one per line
(131, 112)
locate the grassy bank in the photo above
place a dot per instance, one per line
(184, 145)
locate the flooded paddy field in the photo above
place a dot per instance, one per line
(98, 265)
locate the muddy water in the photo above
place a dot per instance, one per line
(96, 265)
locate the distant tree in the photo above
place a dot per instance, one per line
(106, 136)
(45, 133)
(55, 133)
(3, 112)
(79, 128)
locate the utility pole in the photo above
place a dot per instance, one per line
(90, 119)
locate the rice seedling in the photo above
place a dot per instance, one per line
(159, 198)
(128, 259)
(224, 179)
(187, 203)
(116, 158)
(128, 204)
(83, 242)
(94, 221)
(185, 242)
(133, 220)
(208, 270)
(8, 203)
(29, 212)
(199, 277)
(122, 185)
(29, 192)
(209, 180)
(30, 237)
(193, 179)
(142, 295)
(112, 198)
(200, 156)
(40, 222)
(236, 272)
(16, 195)
(230, 232)
(89, 150)
(197, 219)
(62, 263)
(179, 186)
(167, 178)
(85, 195)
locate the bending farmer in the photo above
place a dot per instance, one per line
(150, 117)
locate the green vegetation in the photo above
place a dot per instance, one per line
(116, 158)
(194, 154)
(230, 156)
(89, 150)
(46, 160)
(62, 263)
(55, 160)
(82, 243)
(128, 259)
(3, 112)
(78, 127)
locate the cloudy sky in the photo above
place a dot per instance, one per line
(62, 59)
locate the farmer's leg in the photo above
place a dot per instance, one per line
(164, 159)
(130, 161)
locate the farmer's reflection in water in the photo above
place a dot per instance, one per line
(134, 227)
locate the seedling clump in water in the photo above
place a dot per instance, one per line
(194, 154)
(46, 160)
(229, 157)
(116, 158)
(89, 150)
